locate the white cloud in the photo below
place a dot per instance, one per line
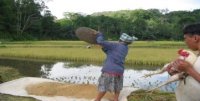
(58, 7)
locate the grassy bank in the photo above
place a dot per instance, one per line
(8, 74)
(6, 97)
(142, 95)
(140, 53)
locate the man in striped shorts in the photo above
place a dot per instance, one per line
(111, 78)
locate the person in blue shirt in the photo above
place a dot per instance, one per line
(111, 78)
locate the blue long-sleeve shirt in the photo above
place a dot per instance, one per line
(115, 55)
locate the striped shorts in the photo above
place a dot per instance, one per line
(111, 83)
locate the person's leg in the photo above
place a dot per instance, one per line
(118, 85)
(116, 96)
(102, 87)
(99, 96)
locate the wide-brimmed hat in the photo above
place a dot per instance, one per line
(126, 38)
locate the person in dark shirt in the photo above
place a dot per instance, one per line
(111, 78)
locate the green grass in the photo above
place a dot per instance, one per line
(8, 73)
(142, 95)
(6, 97)
(138, 44)
(152, 53)
(44, 44)
(158, 44)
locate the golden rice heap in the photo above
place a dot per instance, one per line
(87, 91)
(86, 34)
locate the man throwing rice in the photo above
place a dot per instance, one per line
(111, 78)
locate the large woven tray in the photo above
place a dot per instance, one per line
(86, 34)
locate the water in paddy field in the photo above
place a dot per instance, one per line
(84, 73)
(88, 74)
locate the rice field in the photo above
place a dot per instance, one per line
(153, 53)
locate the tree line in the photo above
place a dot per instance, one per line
(31, 20)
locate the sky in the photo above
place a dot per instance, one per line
(58, 7)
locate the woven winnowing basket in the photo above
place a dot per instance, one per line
(86, 34)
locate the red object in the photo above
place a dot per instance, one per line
(183, 53)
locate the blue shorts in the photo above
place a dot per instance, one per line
(111, 83)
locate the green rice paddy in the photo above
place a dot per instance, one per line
(151, 53)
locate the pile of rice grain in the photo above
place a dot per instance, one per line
(86, 91)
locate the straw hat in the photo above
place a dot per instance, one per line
(86, 34)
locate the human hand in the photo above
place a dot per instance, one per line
(100, 34)
(171, 69)
(182, 65)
